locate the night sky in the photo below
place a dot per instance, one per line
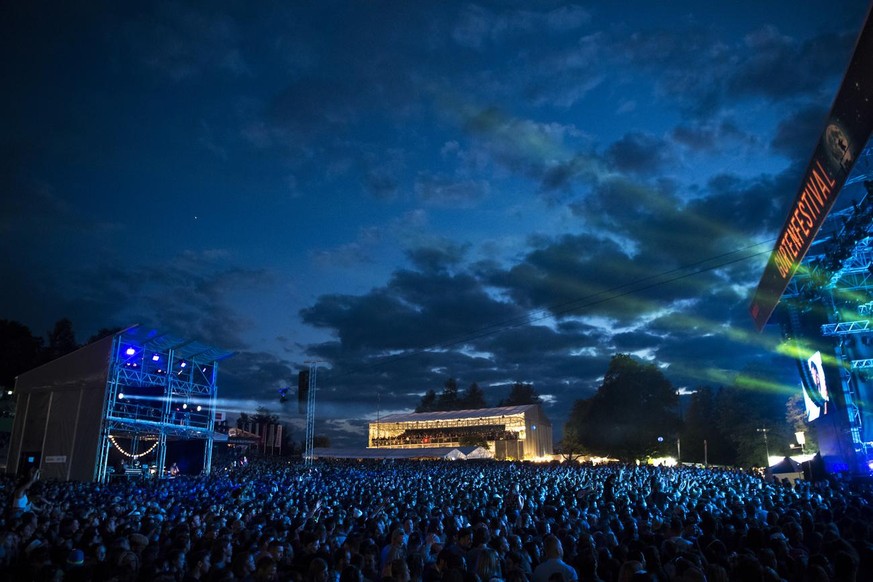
(411, 191)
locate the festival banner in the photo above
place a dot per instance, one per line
(845, 136)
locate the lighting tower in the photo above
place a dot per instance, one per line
(310, 413)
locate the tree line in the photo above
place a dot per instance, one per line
(638, 413)
(21, 350)
(451, 398)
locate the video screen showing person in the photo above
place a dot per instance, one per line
(815, 393)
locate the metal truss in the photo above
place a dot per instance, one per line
(838, 274)
(855, 272)
(159, 388)
(845, 327)
(308, 452)
(187, 385)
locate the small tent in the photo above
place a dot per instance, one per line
(787, 468)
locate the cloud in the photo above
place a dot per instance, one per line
(478, 26)
(639, 153)
(257, 376)
(544, 152)
(797, 134)
(438, 259)
(353, 254)
(777, 66)
(182, 42)
(442, 191)
(193, 295)
(414, 307)
(711, 136)
(700, 71)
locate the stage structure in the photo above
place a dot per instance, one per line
(827, 317)
(510, 432)
(132, 392)
(307, 394)
(819, 276)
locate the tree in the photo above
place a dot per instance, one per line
(448, 399)
(632, 414)
(795, 414)
(701, 423)
(102, 333)
(569, 446)
(751, 413)
(20, 351)
(520, 394)
(473, 398)
(242, 420)
(61, 340)
(428, 402)
(264, 416)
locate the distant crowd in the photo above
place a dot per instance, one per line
(439, 521)
(446, 437)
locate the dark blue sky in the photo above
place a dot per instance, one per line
(408, 191)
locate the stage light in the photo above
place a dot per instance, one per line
(9, 393)
(183, 364)
(130, 351)
(185, 406)
(156, 357)
(121, 395)
(199, 408)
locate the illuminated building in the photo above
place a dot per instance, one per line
(510, 432)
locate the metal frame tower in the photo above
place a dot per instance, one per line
(159, 387)
(310, 414)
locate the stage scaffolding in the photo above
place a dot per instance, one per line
(158, 388)
(836, 277)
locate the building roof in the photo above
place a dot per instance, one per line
(459, 414)
(184, 349)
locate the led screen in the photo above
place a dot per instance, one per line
(815, 391)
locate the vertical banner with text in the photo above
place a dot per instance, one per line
(847, 132)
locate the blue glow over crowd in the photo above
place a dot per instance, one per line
(433, 521)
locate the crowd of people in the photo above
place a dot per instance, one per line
(439, 521)
(447, 437)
